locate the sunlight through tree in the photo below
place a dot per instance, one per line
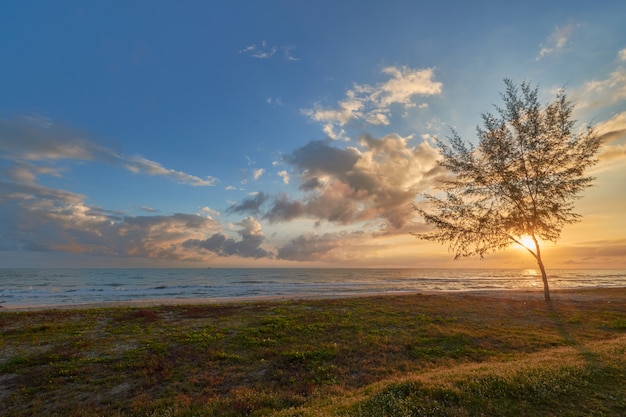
(518, 185)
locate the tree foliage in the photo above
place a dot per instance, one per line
(520, 180)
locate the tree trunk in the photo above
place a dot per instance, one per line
(546, 287)
(544, 276)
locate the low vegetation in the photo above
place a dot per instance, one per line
(399, 355)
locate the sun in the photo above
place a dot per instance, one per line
(527, 242)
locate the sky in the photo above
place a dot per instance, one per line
(282, 133)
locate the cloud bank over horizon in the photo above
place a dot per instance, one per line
(375, 181)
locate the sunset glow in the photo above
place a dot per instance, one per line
(527, 242)
(281, 134)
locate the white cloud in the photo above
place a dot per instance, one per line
(375, 183)
(149, 209)
(373, 104)
(257, 173)
(141, 165)
(42, 141)
(266, 51)
(556, 42)
(251, 227)
(600, 93)
(37, 218)
(405, 84)
(622, 55)
(274, 101)
(262, 51)
(210, 211)
(285, 176)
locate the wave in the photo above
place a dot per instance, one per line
(44, 287)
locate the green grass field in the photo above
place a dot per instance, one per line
(397, 355)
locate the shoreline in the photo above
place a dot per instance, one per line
(576, 294)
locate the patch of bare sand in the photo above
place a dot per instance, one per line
(587, 294)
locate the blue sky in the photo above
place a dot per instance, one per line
(279, 133)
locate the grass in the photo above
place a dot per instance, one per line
(401, 355)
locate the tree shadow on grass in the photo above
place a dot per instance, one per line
(591, 358)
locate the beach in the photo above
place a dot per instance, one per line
(587, 294)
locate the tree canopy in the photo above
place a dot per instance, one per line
(521, 179)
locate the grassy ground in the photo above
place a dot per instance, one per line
(409, 355)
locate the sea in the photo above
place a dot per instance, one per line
(47, 287)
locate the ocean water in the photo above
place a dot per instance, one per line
(41, 287)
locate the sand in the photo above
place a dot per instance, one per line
(607, 294)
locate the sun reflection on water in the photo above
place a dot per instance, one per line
(530, 278)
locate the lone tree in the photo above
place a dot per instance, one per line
(518, 184)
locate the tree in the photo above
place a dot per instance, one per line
(519, 181)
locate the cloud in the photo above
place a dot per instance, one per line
(37, 218)
(611, 153)
(31, 139)
(376, 182)
(159, 237)
(40, 141)
(311, 247)
(606, 251)
(266, 51)
(285, 176)
(613, 129)
(141, 165)
(249, 246)
(274, 101)
(210, 211)
(604, 93)
(610, 132)
(262, 51)
(23, 172)
(556, 42)
(404, 84)
(319, 157)
(284, 209)
(333, 247)
(257, 173)
(379, 182)
(372, 104)
(600, 93)
(250, 205)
